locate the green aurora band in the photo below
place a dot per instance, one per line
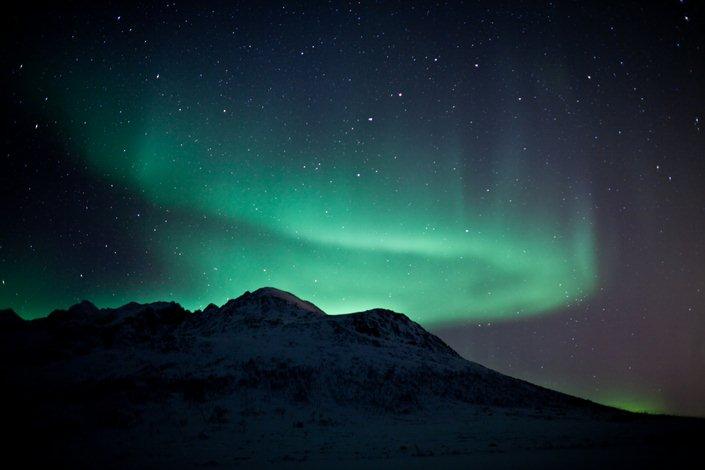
(346, 208)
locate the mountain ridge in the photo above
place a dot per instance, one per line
(269, 372)
(386, 338)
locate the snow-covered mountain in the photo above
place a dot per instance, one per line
(268, 377)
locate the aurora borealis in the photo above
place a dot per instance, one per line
(325, 196)
(479, 166)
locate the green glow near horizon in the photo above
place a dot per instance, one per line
(399, 222)
(632, 402)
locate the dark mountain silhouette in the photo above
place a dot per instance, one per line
(270, 378)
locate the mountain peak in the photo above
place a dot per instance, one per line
(271, 299)
(9, 318)
(275, 293)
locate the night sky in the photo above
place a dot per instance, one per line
(525, 179)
